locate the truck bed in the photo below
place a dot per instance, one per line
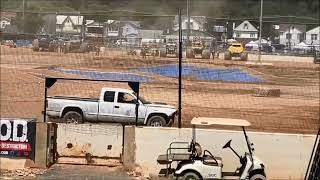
(74, 98)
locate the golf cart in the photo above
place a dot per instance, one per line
(192, 165)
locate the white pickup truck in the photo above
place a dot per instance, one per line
(114, 105)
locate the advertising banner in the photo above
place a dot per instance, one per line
(17, 138)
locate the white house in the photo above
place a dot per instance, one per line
(291, 35)
(245, 31)
(196, 23)
(69, 24)
(313, 36)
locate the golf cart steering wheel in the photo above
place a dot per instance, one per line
(227, 145)
(210, 155)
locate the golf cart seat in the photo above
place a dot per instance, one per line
(169, 158)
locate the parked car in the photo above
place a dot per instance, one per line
(114, 105)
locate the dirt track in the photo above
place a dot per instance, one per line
(297, 110)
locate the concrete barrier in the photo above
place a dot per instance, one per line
(285, 155)
(102, 141)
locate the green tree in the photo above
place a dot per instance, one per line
(29, 23)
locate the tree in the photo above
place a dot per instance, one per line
(30, 23)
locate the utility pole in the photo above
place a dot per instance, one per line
(180, 72)
(260, 30)
(188, 25)
(23, 9)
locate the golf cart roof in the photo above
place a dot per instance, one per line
(206, 121)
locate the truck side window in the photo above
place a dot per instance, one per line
(109, 96)
(125, 98)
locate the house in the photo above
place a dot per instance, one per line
(196, 23)
(95, 29)
(115, 30)
(69, 24)
(245, 32)
(129, 28)
(150, 35)
(291, 34)
(313, 36)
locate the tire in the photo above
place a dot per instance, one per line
(227, 55)
(258, 177)
(157, 121)
(190, 53)
(205, 54)
(244, 56)
(84, 47)
(51, 47)
(35, 45)
(73, 117)
(67, 48)
(191, 176)
(163, 53)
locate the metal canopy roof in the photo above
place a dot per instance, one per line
(207, 121)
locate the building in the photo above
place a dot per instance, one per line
(196, 23)
(150, 35)
(313, 36)
(291, 34)
(69, 24)
(245, 32)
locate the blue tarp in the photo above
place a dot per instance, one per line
(23, 43)
(214, 74)
(106, 75)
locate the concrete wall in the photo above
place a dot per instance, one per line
(102, 140)
(285, 155)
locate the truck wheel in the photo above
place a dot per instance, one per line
(35, 45)
(191, 176)
(244, 56)
(73, 117)
(190, 53)
(227, 55)
(205, 54)
(163, 53)
(157, 121)
(258, 177)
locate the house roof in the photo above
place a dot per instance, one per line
(314, 29)
(248, 28)
(199, 19)
(150, 34)
(285, 27)
(76, 20)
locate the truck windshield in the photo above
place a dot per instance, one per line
(142, 99)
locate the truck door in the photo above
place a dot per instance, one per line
(106, 105)
(125, 109)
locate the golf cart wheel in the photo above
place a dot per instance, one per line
(191, 176)
(258, 177)
(73, 117)
(227, 55)
(244, 56)
(157, 121)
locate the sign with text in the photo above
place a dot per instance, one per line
(17, 138)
